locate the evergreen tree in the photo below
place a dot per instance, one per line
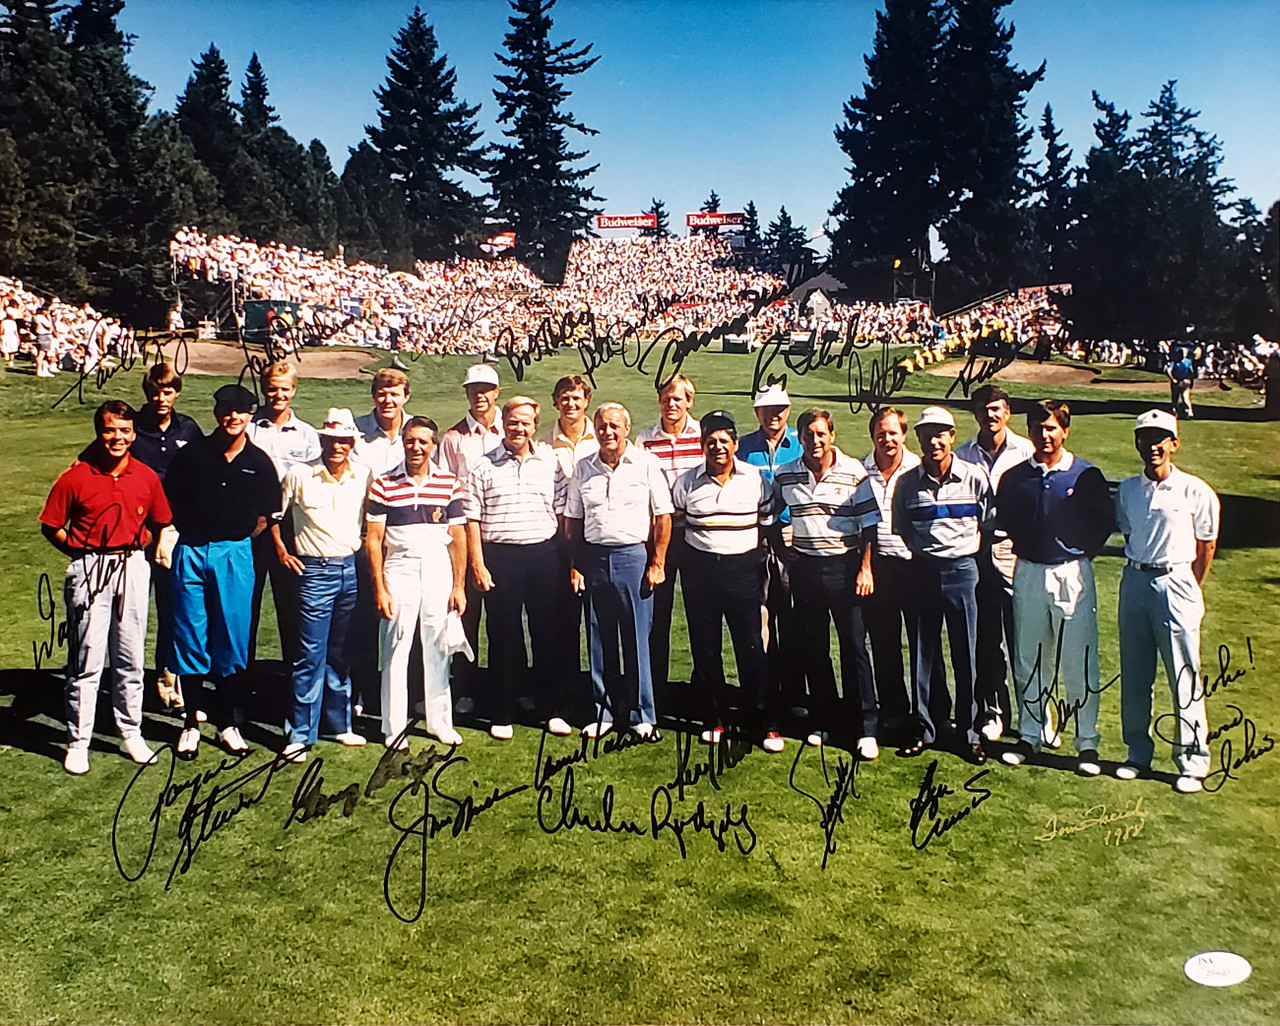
(1270, 251)
(537, 192)
(892, 137)
(989, 235)
(426, 134)
(1053, 212)
(207, 116)
(750, 230)
(371, 217)
(710, 205)
(785, 239)
(662, 229)
(256, 114)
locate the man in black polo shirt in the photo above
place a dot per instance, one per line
(160, 432)
(222, 490)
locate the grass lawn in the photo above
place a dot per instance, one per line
(1028, 909)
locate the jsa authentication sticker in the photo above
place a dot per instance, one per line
(1217, 969)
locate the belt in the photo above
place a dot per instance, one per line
(117, 551)
(1151, 568)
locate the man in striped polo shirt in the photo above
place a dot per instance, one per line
(513, 498)
(1058, 513)
(940, 509)
(833, 517)
(723, 503)
(676, 442)
(417, 546)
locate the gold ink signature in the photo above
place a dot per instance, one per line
(1098, 816)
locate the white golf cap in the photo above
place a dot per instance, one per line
(935, 416)
(480, 374)
(338, 423)
(1158, 419)
(772, 395)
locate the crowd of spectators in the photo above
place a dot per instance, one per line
(54, 335)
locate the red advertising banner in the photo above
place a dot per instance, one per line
(626, 220)
(712, 219)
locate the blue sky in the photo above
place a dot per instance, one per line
(736, 95)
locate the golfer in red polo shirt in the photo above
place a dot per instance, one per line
(98, 514)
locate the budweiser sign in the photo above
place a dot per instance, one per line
(626, 220)
(712, 219)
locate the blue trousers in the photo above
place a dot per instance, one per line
(619, 621)
(322, 674)
(948, 591)
(212, 592)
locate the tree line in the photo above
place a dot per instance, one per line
(939, 148)
(1144, 228)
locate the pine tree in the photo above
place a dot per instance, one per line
(537, 192)
(990, 234)
(425, 135)
(372, 221)
(750, 230)
(661, 230)
(784, 239)
(256, 114)
(710, 205)
(892, 137)
(1053, 212)
(207, 116)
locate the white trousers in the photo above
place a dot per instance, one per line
(106, 599)
(1056, 605)
(419, 587)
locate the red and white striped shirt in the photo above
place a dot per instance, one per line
(417, 515)
(675, 453)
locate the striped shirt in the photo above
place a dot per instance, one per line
(675, 453)
(463, 444)
(617, 505)
(515, 501)
(723, 519)
(827, 516)
(943, 518)
(417, 516)
(887, 543)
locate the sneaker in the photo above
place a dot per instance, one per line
(596, 728)
(646, 730)
(1087, 763)
(350, 738)
(232, 741)
(1017, 755)
(449, 736)
(502, 731)
(1129, 771)
(465, 705)
(77, 761)
(1187, 784)
(1050, 737)
(137, 749)
(868, 749)
(399, 742)
(559, 726)
(188, 743)
(712, 735)
(818, 738)
(295, 752)
(993, 728)
(773, 742)
(201, 717)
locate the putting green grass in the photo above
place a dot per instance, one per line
(1029, 908)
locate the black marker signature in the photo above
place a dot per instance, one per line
(882, 379)
(465, 810)
(310, 801)
(588, 750)
(925, 806)
(1047, 696)
(1229, 762)
(151, 351)
(1224, 677)
(47, 607)
(988, 356)
(720, 758)
(831, 811)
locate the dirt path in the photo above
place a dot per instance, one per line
(227, 359)
(1027, 372)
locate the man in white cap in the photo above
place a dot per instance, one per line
(1169, 520)
(767, 449)
(940, 509)
(325, 500)
(460, 450)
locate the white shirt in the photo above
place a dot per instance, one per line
(1162, 520)
(888, 543)
(465, 443)
(328, 512)
(617, 505)
(377, 450)
(568, 453)
(1014, 451)
(293, 442)
(723, 519)
(515, 501)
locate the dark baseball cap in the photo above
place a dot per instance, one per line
(237, 397)
(718, 420)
